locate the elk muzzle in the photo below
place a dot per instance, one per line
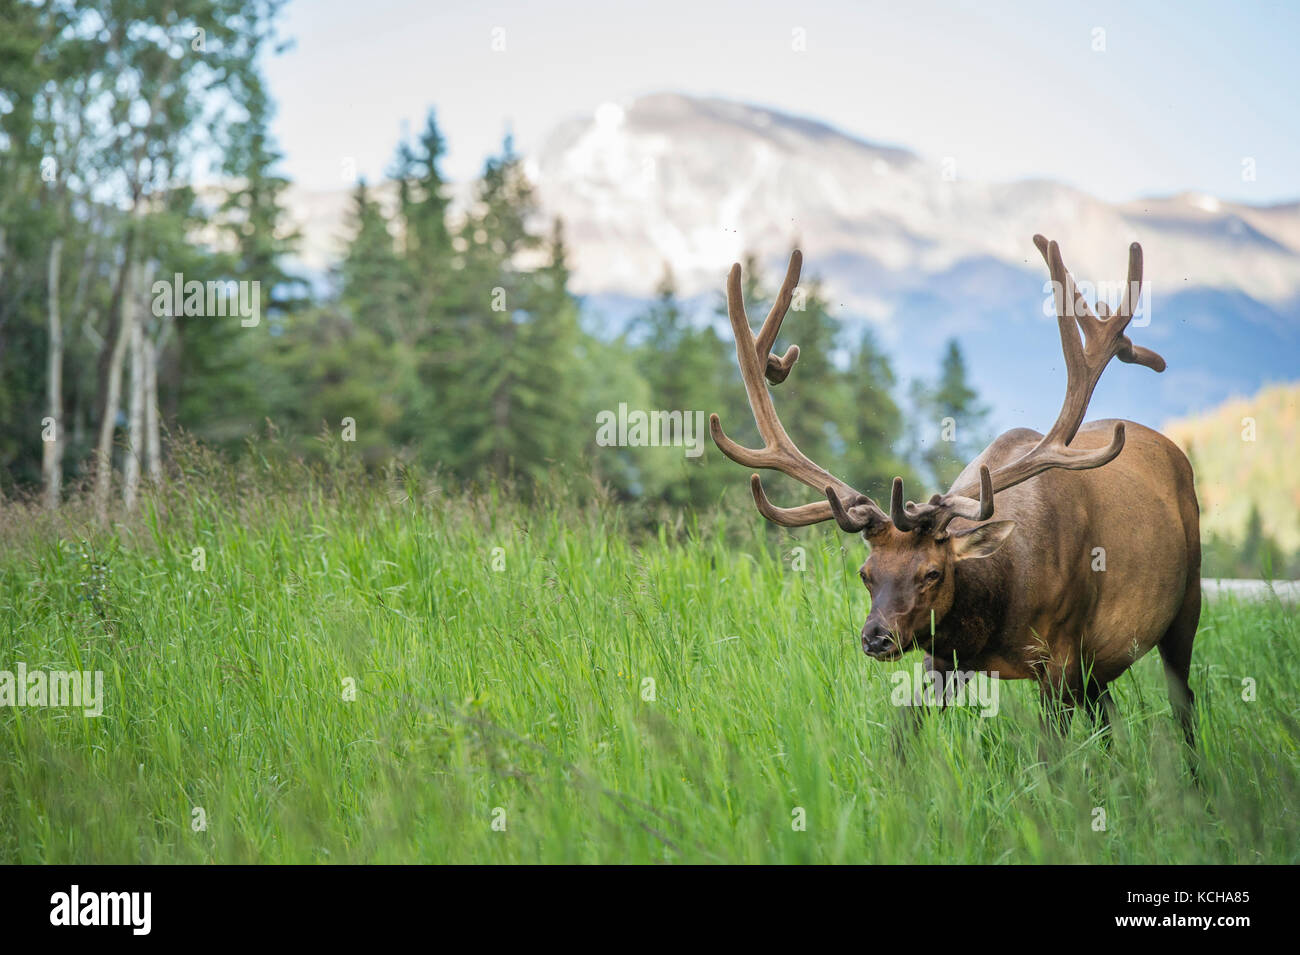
(878, 641)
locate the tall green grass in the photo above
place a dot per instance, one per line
(510, 686)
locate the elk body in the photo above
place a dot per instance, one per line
(1024, 596)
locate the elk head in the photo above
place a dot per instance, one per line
(912, 569)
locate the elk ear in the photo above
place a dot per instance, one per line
(981, 541)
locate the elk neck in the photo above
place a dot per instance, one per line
(979, 609)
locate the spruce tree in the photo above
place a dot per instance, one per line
(688, 370)
(217, 392)
(370, 276)
(952, 423)
(873, 422)
(508, 373)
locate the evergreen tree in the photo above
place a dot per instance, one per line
(1259, 554)
(688, 370)
(326, 368)
(952, 421)
(875, 422)
(547, 399)
(428, 291)
(255, 210)
(1252, 543)
(370, 275)
(422, 199)
(224, 402)
(507, 375)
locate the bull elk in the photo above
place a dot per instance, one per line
(1016, 597)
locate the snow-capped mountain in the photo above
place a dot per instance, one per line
(922, 253)
(697, 182)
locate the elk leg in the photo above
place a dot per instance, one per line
(1100, 706)
(947, 683)
(1176, 653)
(1058, 697)
(1057, 704)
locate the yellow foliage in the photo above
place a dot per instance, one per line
(1247, 451)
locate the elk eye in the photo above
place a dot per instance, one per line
(932, 575)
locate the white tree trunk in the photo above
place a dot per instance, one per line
(112, 400)
(153, 453)
(135, 418)
(52, 452)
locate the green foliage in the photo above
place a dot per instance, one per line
(952, 422)
(449, 336)
(1245, 460)
(875, 428)
(688, 369)
(327, 368)
(505, 364)
(372, 277)
(1255, 554)
(106, 113)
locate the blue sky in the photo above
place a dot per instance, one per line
(1181, 94)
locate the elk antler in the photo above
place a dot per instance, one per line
(1103, 339)
(941, 509)
(852, 509)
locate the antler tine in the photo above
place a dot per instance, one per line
(1133, 284)
(898, 512)
(779, 452)
(954, 505)
(800, 516)
(778, 369)
(1063, 288)
(858, 516)
(1128, 352)
(936, 515)
(1137, 355)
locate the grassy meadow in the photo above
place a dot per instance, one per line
(498, 653)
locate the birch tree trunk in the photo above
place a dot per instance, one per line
(112, 399)
(74, 435)
(52, 452)
(135, 417)
(153, 453)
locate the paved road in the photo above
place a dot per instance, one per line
(1287, 591)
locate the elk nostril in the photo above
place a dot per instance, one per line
(875, 639)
